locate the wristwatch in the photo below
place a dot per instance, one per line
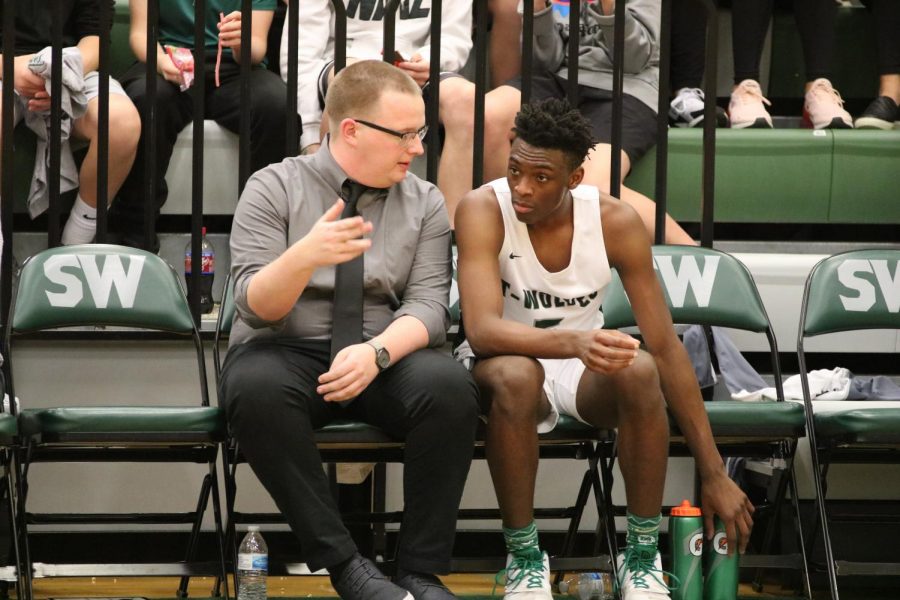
(382, 356)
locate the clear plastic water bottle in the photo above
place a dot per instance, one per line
(253, 566)
(207, 271)
(589, 586)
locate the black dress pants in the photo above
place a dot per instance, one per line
(427, 399)
(174, 110)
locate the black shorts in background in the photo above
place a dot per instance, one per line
(638, 119)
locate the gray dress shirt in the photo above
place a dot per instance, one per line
(407, 268)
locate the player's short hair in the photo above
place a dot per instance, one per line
(554, 124)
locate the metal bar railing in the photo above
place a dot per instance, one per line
(662, 121)
(244, 168)
(198, 95)
(709, 125)
(527, 50)
(432, 109)
(340, 35)
(55, 141)
(105, 9)
(293, 138)
(150, 134)
(7, 176)
(615, 167)
(389, 34)
(480, 16)
(573, 46)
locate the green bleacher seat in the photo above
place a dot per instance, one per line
(859, 426)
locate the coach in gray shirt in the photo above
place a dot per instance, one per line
(280, 382)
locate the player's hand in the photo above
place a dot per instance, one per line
(333, 240)
(25, 81)
(417, 68)
(230, 30)
(351, 372)
(607, 350)
(721, 496)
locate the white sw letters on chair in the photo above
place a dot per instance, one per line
(688, 276)
(866, 297)
(100, 282)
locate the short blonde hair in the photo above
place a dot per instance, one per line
(358, 87)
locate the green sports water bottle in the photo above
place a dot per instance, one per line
(721, 569)
(686, 534)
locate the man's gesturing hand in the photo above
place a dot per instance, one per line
(333, 240)
(607, 350)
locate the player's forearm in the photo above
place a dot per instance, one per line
(682, 394)
(90, 53)
(495, 336)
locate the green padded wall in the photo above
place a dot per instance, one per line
(866, 177)
(778, 175)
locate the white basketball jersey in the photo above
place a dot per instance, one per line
(566, 299)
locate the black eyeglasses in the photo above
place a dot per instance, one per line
(406, 137)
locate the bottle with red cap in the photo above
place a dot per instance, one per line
(207, 271)
(686, 535)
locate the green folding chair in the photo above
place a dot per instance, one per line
(850, 291)
(124, 290)
(711, 288)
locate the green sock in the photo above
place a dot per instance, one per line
(523, 542)
(643, 534)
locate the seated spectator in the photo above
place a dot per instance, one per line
(823, 107)
(365, 37)
(81, 83)
(882, 112)
(321, 334)
(174, 107)
(551, 24)
(539, 231)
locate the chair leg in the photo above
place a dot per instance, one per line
(798, 523)
(769, 536)
(605, 491)
(820, 472)
(25, 579)
(578, 511)
(220, 532)
(22, 590)
(229, 469)
(194, 540)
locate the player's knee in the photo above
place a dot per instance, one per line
(510, 385)
(639, 385)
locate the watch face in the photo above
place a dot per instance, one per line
(382, 358)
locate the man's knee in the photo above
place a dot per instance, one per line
(455, 395)
(124, 123)
(510, 385)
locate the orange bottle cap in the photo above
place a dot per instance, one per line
(685, 510)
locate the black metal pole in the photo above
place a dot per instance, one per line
(293, 134)
(246, 113)
(709, 126)
(340, 35)
(573, 47)
(432, 116)
(480, 14)
(106, 9)
(150, 134)
(390, 30)
(7, 176)
(615, 168)
(662, 120)
(198, 95)
(56, 28)
(527, 50)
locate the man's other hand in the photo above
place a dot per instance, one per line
(417, 68)
(333, 240)
(722, 496)
(351, 372)
(607, 350)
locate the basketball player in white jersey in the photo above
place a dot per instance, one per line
(535, 252)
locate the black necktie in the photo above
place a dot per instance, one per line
(347, 309)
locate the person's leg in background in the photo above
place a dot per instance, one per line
(124, 134)
(823, 107)
(173, 111)
(688, 50)
(506, 41)
(882, 112)
(749, 24)
(457, 102)
(268, 106)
